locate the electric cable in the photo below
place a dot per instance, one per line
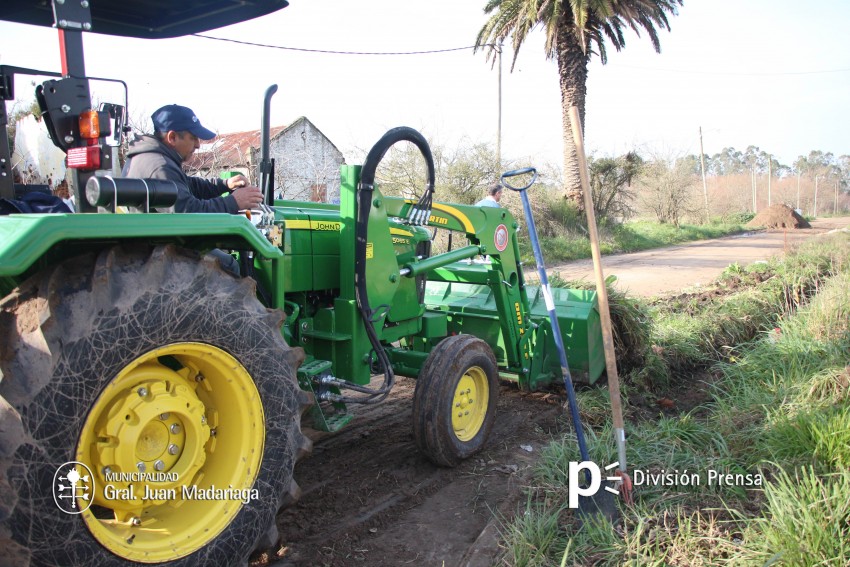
(334, 52)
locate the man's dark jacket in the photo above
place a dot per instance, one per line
(149, 158)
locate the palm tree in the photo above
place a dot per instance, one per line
(575, 30)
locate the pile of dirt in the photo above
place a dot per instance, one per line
(779, 216)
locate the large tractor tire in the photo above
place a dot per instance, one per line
(454, 404)
(151, 362)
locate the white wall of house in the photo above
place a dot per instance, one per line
(306, 164)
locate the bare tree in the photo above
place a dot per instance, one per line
(667, 188)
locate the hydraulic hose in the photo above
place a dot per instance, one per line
(419, 215)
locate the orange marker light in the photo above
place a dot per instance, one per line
(89, 125)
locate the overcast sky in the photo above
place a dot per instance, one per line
(771, 73)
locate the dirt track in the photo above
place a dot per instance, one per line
(663, 270)
(369, 497)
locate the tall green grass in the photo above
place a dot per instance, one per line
(807, 521)
(780, 408)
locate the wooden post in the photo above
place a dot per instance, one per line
(601, 293)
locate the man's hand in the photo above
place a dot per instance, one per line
(247, 197)
(237, 181)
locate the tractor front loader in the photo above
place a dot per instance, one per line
(151, 403)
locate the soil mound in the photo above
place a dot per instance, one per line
(779, 216)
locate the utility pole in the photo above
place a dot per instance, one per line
(815, 213)
(702, 166)
(753, 178)
(769, 159)
(835, 204)
(798, 189)
(499, 122)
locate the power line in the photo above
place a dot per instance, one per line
(452, 49)
(731, 73)
(331, 52)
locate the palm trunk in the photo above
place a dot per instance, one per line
(572, 72)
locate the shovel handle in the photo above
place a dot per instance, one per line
(516, 172)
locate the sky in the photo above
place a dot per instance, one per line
(748, 72)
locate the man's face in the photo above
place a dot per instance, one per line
(184, 143)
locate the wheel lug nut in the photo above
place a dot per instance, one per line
(142, 392)
(141, 466)
(203, 420)
(213, 432)
(175, 428)
(460, 414)
(467, 413)
(136, 521)
(164, 416)
(199, 377)
(159, 465)
(173, 449)
(106, 471)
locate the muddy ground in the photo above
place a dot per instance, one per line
(370, 498)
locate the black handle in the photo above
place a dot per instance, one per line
(516, 172)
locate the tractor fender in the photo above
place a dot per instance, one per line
(25, 239)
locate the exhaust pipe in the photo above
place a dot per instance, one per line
(265, 173)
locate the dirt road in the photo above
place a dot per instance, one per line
(664, 270)
(370, 498)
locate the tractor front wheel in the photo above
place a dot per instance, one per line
(149, 413)
(454, 404)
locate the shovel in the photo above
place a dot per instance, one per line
(601, 502)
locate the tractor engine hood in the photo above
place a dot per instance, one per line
(148, 19)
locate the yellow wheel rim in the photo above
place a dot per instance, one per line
(469, 407)
(175, 442)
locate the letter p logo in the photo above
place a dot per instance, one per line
(575, 489)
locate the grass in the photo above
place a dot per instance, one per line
(627, 237)
(777, 339)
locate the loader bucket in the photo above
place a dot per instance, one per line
(578, 316)
(472, 309)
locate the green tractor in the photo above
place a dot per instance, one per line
(151, 403)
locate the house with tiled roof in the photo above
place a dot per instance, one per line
(306, 161)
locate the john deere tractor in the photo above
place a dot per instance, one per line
(151, 403)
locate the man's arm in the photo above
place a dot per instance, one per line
(207, 188)
(188, 202)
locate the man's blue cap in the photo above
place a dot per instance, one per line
(180, 119)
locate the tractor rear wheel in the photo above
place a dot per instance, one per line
(171, 385)
(454, 404)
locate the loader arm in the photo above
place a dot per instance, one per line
(494, 232)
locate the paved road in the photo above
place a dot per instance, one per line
(664, 270)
